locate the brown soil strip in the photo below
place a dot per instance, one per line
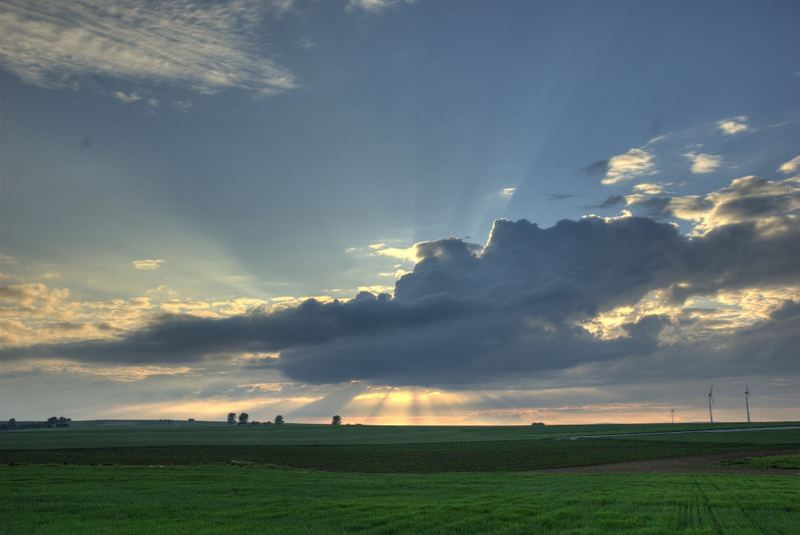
(709, 464)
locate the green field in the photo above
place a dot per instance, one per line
(212, 478)
(781, 462)
(246, 500)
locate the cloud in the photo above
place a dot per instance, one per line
(127, 98)
(148, 264)
(703, 163)
(611, 201)
(409, 254)
(375, 6)
(508, 192)
(769, 205)
(734, 125)
(561, 196)
(204, 47)
(305, 43)
(515, 309)
(646, 188)
(636, 162)
(791, 166)
(599, 167)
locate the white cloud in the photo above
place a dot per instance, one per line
(402, 253)
(768, 203)
(734, 125)
(183, 105)
(375, 6)
(148, 264)
(127, 98)
(305, 43)
(200, 46)
(647, 188)
(791, 166)
(635, 162)
(507, 192)
(703, 163)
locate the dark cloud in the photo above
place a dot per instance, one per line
(468, 315)
(561, 196)
(610, 202)
(745, 199)
(599, 167)
(182, 338)
(766, 348)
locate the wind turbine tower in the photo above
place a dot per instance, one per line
(747, 401)
(711, 404)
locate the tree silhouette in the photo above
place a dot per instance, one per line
(243, 418)
(231, 417)
(336, 420)
(278, 420)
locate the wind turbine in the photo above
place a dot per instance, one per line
(711, 404)
(747, 401)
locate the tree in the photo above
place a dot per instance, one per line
(243, 418)
(52, 420)
(278, 420)
(336, 419)
(12, 423)
(231, 417)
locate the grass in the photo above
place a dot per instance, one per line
(227, 499)
(211, 478)
(510, 455)
(787, 462)
(120, 434)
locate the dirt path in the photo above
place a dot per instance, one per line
(698, 464)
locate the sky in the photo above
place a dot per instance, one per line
(400, 211)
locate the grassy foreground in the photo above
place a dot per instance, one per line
(212, 478)
(228, 499)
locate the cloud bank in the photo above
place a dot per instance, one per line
(611, 295)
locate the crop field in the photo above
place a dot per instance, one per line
(211, 478)
(148, 433)
(787, 462)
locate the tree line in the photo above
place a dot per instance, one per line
(244, 419)
(53, 421)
